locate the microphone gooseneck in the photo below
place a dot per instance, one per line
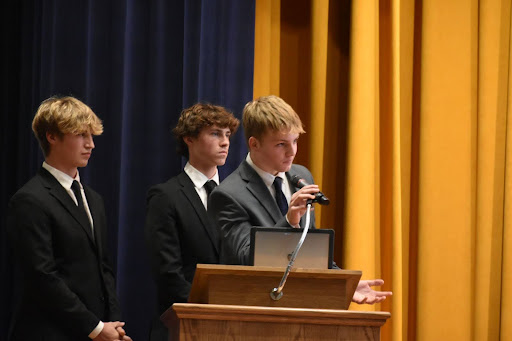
(277, 292)
(320, 198)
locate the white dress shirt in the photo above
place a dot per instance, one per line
(66, 181)
(199, 179)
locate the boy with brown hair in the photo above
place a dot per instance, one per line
(179, 233)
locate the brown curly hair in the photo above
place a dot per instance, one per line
(199, 116)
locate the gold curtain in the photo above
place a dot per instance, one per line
(301, 55)
(413, 143)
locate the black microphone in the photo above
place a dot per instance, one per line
(320, 198)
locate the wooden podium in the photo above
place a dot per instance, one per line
(229, 302)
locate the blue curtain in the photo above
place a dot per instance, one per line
(137, 64)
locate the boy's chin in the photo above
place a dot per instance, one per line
(221, 162)
(286, 168)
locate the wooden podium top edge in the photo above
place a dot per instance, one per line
(205, 269)
(280, 310)
(274, 314)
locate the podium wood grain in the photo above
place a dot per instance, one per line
(229, 322)
(249, 285)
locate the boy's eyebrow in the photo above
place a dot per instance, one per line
(284, 140)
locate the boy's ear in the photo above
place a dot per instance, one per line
(51, 138)
(188, 140)
(253, 143)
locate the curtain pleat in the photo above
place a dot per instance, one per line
(317, 130)
(493, 69)
(266, 48)
(506, 279)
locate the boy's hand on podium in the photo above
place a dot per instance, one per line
(365, 294)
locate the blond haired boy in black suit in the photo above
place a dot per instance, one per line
(57, 229)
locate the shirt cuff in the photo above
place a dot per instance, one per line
(295, 227)
(96, 331)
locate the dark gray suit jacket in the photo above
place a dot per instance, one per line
(67, 283)
(242, 201)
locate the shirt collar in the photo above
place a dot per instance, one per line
(198, 178)
(65, 180)
(267, 178)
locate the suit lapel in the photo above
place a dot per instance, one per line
(188, 189)
(58, 192)
(257, 187)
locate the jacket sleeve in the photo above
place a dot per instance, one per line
(234, 222)
(163, 243)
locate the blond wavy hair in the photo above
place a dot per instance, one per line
(64, 115)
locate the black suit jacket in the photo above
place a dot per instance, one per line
(242, 201)
(67, 283)
(179, 235)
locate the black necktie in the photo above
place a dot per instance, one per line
(75, 187)
(209, 186)
(280, 198)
